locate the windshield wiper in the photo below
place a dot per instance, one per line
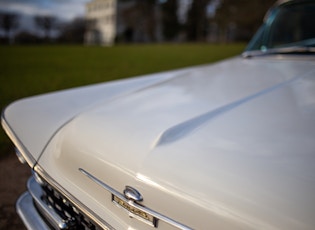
(283, 50)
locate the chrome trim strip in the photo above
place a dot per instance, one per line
(53, 218)
(89, 213)
(20, 156)
(28, 213)
(134, 204)
(17, 142)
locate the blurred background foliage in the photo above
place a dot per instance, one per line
(203, 20)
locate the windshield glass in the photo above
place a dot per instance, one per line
(289, 25)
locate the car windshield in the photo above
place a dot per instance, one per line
(290, 27)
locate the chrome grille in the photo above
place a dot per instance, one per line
(56, 210)
(66, 210)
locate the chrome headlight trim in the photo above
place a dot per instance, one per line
(20, 156)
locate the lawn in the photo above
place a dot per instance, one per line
(31, 70)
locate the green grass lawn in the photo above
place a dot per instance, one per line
(30, 70)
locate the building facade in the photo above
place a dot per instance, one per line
(131, 21)
(101, 22)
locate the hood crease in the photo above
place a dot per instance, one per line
(187, 127)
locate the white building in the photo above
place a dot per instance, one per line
(101, 18)
(128, 21)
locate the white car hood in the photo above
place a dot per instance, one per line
(231, 142)
(194, 102)
(44, 115)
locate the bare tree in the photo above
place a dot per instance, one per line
(170, 21)
(148, 20)
(140, 21)
(46, 23)
(247, 15)
(197, 20)
(9, 22)
(73, 31)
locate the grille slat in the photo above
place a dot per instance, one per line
(70, 216)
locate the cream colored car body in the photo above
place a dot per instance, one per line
(223, 146)
(211, 146)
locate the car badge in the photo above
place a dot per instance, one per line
(130, 202)
(132, 194)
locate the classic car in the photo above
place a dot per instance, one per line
(229, 145)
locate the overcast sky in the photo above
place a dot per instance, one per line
(63, 9)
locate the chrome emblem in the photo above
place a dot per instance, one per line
(130, 200)
(132, 194)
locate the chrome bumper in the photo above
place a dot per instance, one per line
(28, 213)
(33, 210)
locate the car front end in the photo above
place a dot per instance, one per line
(223, 146)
